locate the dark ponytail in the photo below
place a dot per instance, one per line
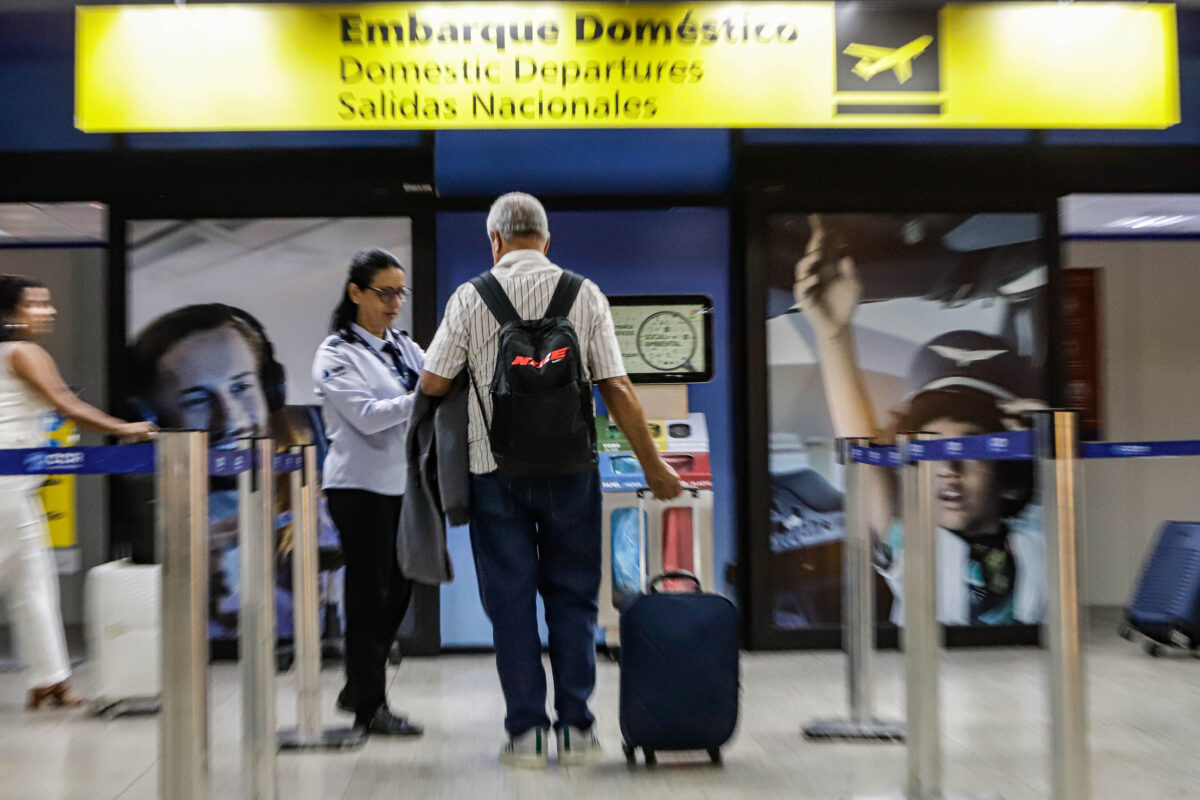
(12, 289)
(363, 267)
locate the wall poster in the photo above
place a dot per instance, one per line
(224, 319)
(880, 323)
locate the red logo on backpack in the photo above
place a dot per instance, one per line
(526, 361)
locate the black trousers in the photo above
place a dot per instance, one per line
(377, 594)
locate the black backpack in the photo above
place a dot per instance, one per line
(542, 417)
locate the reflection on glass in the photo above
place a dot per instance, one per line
(626, 567)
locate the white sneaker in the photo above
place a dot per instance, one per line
(578, 747)
(529, 750)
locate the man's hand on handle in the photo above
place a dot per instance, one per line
(663, 481)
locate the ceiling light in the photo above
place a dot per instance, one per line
(1144, 222)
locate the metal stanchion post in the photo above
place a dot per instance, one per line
(181, 521)
(305, 603)
(922, 629)
(305, 606)
(256, 619)
(922, 632)
(858, 617)
(1057, 448)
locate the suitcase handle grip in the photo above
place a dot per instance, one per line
(676, 573)
(695, 493)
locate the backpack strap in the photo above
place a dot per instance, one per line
(564, 295)
(493, 295)
(487, 423)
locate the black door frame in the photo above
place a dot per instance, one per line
(784, 178)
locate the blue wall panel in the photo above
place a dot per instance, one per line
(37, 83)
(625, 252)
(582, 162)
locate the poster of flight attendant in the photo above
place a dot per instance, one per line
(880, 323)
(224, 318)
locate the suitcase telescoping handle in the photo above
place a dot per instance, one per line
(642, 546)
(674, 574)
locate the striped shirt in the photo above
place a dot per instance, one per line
(468, 335)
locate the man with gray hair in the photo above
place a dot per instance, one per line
(538, 533)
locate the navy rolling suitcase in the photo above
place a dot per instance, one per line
(679, 671)
(1166, 601)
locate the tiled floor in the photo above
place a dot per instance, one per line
(1145, 736)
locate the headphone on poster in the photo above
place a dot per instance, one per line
(270, 372)
(165, 331)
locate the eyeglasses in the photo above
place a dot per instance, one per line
(392, 295)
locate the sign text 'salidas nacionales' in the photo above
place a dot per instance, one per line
(381, 89)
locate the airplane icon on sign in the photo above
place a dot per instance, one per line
(874, 60)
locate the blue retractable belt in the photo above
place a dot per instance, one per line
(1140, 449)
(234, 462)
(125, 460)
(879, 456)
(111, 460)
(224, 463)
(1012, 446)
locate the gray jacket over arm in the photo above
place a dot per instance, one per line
(438, 484)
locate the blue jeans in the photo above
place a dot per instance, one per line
(534, 535)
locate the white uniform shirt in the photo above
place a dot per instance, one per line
(468, 335)
(366, 410)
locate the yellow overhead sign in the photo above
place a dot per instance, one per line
(563, 65)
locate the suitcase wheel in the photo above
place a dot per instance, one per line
(630, 753)
(1152, 649)
(651, 760)
(1125, 631)
(715, 754)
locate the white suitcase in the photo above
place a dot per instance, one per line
(123, 607)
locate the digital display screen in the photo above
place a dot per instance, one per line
(664, 338)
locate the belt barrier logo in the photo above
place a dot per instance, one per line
(65, 462)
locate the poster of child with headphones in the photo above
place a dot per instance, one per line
(224, 318)
(883, 323)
